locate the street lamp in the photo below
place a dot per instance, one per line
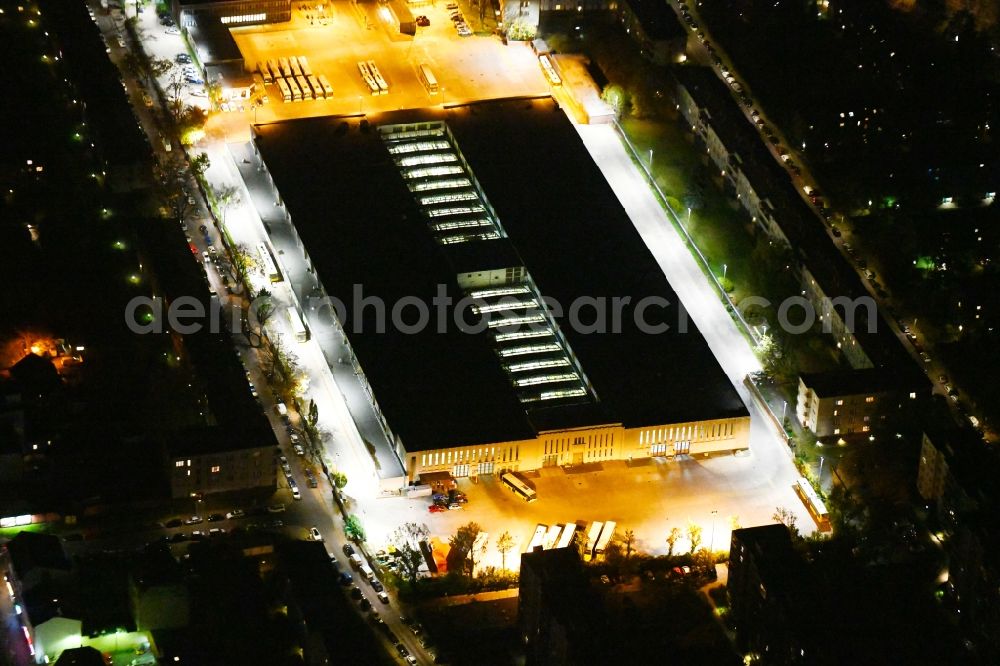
(711, 546)
(650, 159)
(725, 267)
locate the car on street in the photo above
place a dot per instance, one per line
(179, 537)
(193, 520)
(376, 584)
(410, 659)
(235, 513)
(383, 597)
(925, 356)
(216, 531)
(314, 533)
(215, 517)
(454, 506)
(436, 508)
(356, 592)
(401, 649)
(835, 231)
(348, 549)
(198, 535)
(296, 495)
(346, 578)
(299, 451)
(423, 21)
(365, 605)
(173, 522)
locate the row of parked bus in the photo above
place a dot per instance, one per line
(373, 78)
(594, 539)
(295, 79)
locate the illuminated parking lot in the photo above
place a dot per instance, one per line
(466, 68)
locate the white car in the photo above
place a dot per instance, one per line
(235, 513)
(314, 534)
(295, 493)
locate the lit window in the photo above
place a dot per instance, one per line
(179, 463)
(215, 469)
(913, 395)
(870, 398)
(865, 429)
(836, 431)
(840, 402)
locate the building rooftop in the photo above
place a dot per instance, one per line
(853, 382)
(215, 43)
(364, 218)
(805, 232)
(773, 555)
(33, 550)
(658, 20)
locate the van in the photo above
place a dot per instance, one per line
(367, 571)
(282, 410)
(356, 560)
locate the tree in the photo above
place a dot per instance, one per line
(505, 543)
(243, 263)
(353, 529)
(339, 480)
(615, 97)
(313, 417)
(463, 546)
(628, 541)
(175, 95)
(228, 197)
(406, 539)
(786, 518)
(159, 67)
(694, 535)
(734, 522)
(672, 538)
(200, 164)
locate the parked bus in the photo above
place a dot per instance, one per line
(299, 329)
(307, 92)
(272, 66)
(550, 70)
(318, 91)
(377, 75)
(518, 487)
(267, 263)
(296, 91)
(537, 539)
(286, 92)
(606, 535)
(265, 72)
(327, 88)
(427, 78)
(592, 535)
(293, 62)
(304, 66)
(566, 538)
(286, 71)
(369, 79)
(551, 537)
(816, 507)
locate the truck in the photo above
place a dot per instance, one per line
(592, 535)
(606, 535)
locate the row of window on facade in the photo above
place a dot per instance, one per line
(688, 432)
(562, 445)
(470, 455)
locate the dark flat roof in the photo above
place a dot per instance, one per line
(657, 19)
(853, 382)
(361, 225)
(212, 40)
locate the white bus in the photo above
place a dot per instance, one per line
(265, 72)
(293, 62)
(304, 66)
(377, 75)
(518, 487)
(549, 70)
(369, 79)
(318, 91)
(267, 263)
(606, 535)
(286, 71)
(427, 78)
(286, 92)
(551, 537)
(592, 535)
(299, 329)
(272, 66)
(817, 509)
(537, 538)
(296, 91)
(327, 88)
(307, 92)
(566, 538)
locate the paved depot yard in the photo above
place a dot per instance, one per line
(467, 68)
(649, 497)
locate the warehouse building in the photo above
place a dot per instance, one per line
(460, 205)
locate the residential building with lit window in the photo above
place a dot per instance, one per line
(851, 403)
(459, 206)
(215, 460)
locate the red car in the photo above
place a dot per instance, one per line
(436, 508)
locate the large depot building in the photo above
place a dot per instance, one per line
(500, 203)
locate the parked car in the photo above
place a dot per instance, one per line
(276, 508)
(365, 605)
(436, 508)
(383, 597)
(423, 21)
(296, 495)
(314, 534)
(356, 592)
(346, 578)
(194, 520)
(348, 549)
(235, 513)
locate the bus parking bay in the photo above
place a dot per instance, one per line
(465, 68)
(649, 497)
